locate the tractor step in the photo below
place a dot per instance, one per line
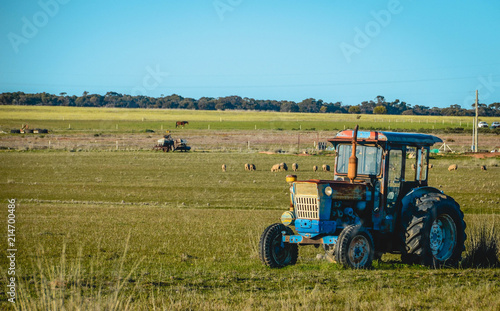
(298, 239)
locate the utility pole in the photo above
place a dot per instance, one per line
(476, 123)
(473, 134)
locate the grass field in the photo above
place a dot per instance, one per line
(143, 230)
(71, 119)
(129, 228)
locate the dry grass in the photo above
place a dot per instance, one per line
(483, 249)
(145, 230)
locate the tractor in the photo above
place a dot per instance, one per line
(167, 143)
(378, 202)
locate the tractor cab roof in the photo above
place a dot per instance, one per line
(391, 138)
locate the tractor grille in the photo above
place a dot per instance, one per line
(306, 207)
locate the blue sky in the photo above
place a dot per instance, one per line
(431, 53)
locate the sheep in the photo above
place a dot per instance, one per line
(295, 167)
(413, 166)
(279, 167)
(453, 167)
(252, 167)
(430, 166)
(223, 167)
(275, 168)
(326, 168)
(315, 168)
(283, 167)
(247, 167)
(483, 167)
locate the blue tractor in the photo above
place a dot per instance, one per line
(378, 202)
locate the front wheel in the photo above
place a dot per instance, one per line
(273, 252)
(355, 248)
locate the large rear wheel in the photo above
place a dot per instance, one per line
(273, 252)
(434, 232)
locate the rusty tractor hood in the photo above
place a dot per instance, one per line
(341, 190)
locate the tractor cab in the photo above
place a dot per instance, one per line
(392, 164)
(380, 178)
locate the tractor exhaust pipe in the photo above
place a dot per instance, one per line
(352, 169)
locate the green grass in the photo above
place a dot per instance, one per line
(76, 119)
(143, 230)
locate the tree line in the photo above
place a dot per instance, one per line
(112, 99)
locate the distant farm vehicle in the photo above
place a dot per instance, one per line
(181, 123)
(376, 204)
(167, 143)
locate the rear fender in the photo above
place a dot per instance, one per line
(409, 199)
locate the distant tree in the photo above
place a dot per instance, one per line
(380, 99)
(354, 109)
(187, 103)
(420, 110)
(206, 103)
(367, 107)
(494, 106)
(249, 104)
(310, 105)
(289, 106)
(114, 99)
(380, 110)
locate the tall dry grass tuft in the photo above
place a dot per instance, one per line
(483, 250)
(68, 285)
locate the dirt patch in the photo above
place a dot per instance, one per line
(247, 140)
(482, 155)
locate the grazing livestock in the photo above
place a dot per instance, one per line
(326, 168)
(275, 168)
(315, 168)
(181, 123)
(247, 167)
(295, 167)
(483, 167)
(453, 167)
(223, 167)
(283, 167)
(413, 166)
(279, 167)
(252, 167)
(430, 166)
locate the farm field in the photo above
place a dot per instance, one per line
(118, 120)
(144, 230)
(92, 129)
(104, 222)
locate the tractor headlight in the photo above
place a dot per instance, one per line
(291, 178)
(328, 191)
(287, 218)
